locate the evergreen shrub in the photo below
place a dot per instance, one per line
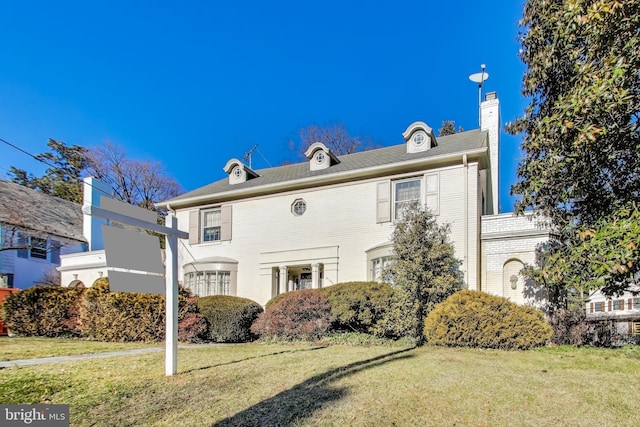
(476, 319)
(357, 306)
(46, 311)
(229, 318)
(303, 314)
(126, 316)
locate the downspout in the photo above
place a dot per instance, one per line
(466, 218)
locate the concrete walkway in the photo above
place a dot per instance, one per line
(57, 359)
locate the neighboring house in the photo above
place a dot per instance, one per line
(623, 310)
(35, 231)
(259, 233)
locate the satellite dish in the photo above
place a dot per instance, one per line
(479, 77)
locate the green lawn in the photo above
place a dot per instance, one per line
(298, 385)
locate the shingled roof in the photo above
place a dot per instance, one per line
(24, 208)
(350, 163)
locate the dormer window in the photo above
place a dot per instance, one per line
(419, 137)
(320, 157)
(238, 172)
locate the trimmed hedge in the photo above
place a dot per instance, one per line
(229, 318)
(303, 314)
(125, 316)
(47, 311)
(357, 306)
(476, 319)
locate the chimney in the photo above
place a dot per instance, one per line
(490, 121)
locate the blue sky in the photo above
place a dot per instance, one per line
(192, 84)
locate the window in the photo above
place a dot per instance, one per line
(405, 194)
(378, 266)
(299, 207)
(320, 157)
(205, 283)
(599, 306)
(38, 248)
(636, 304)
(211, 225)
(618, 304)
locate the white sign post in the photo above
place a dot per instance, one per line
(135, 268)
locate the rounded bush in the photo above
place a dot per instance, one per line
(477, 319)
(301, 314)
(357, 306)
(229, 318)
(44, 311)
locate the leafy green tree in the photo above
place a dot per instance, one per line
(424, 272)
(581, 168)
(63, 178)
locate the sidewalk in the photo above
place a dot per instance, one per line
(57, 359)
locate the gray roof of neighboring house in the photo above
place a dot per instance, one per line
(396, 154)
(25, 208)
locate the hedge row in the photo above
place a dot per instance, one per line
(102, 315)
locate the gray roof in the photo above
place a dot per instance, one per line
(25, 208)
(350, 163)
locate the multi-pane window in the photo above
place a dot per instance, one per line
(38, 248)
(636, 303)
(378, 266)
(617, 304)
(211, 220)
(599, 306)
(205, 283)
(406, 193)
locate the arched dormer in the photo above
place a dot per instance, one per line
(320, 157)
(239, 172)
(419, 137)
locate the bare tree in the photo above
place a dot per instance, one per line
(449, 128)
(334, 136)
(140, 183)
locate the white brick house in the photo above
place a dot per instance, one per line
(328, 220)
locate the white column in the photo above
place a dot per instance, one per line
(315, 276)
(283, 279)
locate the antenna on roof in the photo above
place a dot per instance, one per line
(479, 78)
(247, 157)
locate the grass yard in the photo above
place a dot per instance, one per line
(16, 348)
(299, 385)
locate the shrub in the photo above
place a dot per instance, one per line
(229, 318)
(125, 316)
(43, 311)
(301, 314)
(569, 327)
(357, 306)
(477, 319)
(192, 325)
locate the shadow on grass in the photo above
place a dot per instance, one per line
(299, 402)
(253, 357)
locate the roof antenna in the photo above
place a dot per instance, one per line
(479, 78)
(247, 157)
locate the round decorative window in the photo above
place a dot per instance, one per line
(419, 138)
(320, 156)
(299, 207)
(237, 172)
